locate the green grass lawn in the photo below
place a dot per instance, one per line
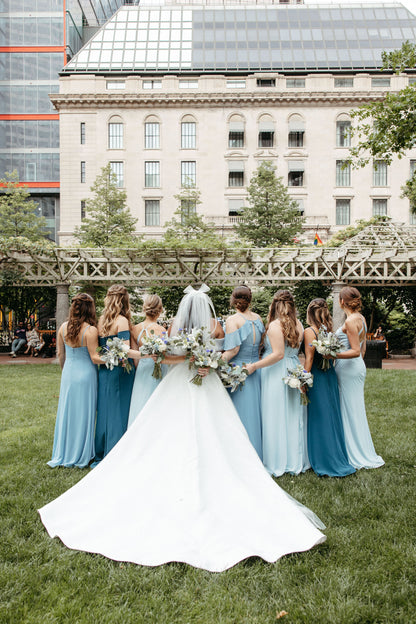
(364, 573)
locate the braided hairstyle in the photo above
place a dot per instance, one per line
(152, 306)
(318, 314)
(351, 298)
(240, 298)
(116, 303)
(283, 308)
(82, 310)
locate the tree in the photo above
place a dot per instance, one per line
(187, 227)
(388, 127)
(272, 217)
(18, 214)
(108, 221)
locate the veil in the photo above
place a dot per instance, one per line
(195, 310)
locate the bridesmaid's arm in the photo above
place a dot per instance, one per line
(277, 343)
(61, 348)
(351, 330)
(91, 338)
(308, 336)
(230, 326)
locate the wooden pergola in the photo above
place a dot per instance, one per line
(380, 255)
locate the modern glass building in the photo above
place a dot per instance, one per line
(37, 38)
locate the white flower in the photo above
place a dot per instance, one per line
(293, 383)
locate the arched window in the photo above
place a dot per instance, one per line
(296, 136)
(236, 131)
(151, 132)
(115, 133)
(188, 132)
(343, 131)
(266, 131)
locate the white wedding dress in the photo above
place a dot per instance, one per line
(183, 484)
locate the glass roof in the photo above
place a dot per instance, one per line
(245, 38)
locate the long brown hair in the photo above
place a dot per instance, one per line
(318, 314)
(283, 308)
(116, 303)
(82, 310)
(351, 298)
(240, 298)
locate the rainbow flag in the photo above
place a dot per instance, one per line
(317, 240)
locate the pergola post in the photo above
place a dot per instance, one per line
(62, 305)
(338, 315)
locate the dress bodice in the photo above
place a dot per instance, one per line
(123, 335)
(290, 352)
(77, 353)
(248, 338)
(343, 338)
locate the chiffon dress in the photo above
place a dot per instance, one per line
(144, 384)
(326, 442)
(247, 399)
(351, 378)
(113, 403)
(73, 443)
(183, 484)
(284, 419)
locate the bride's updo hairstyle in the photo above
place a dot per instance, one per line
(283, 308)
(82, 310)
(240, 298)
(116, 303)
(152, 306)
(318, 314)
(351, 298)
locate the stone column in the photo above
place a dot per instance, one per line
(62, 305)
(338, 315)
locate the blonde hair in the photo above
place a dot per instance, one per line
(351, 298)
(283, 308)
(152, 306)
(318, 314)
(116, 303)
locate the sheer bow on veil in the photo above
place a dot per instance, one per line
(195, 310)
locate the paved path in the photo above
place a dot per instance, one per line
(390, 364)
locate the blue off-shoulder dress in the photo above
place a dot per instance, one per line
(144, 384)
(283, 417)
(326, 442)
(113, 403)
(73, 443)
(247, 399)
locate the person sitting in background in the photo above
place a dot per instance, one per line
(378, 334)
(19, 338)
(40, 346)
(33, 340)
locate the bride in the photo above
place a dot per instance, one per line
(184, 483)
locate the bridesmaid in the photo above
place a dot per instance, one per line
(73, 443)
(326, 441)
(144, 382)
(114, 386)
(243, 332)
(351, 371)
(283, 416)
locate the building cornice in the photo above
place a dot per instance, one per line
(63, 101)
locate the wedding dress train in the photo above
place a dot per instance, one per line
(183, 484)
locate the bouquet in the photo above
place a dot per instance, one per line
(199, 348)
(154, 345)
(300, 379)
(327, 344)
(114, 353)
(232, 375)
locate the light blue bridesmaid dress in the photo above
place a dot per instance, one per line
(73, 443)
(283, 417)
(247, 399)
(351, 377)
(113, 403)
(326, 441)
(144, 383)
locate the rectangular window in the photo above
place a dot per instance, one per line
(188, 84)
(82, 133)
(412, 167)
(152, 174)
(236, 84)
(295, 83)
(152, 84)
(152, 136)
(379, 173)
(343, 83)
(82, 171)
(380, 82)
(188, 207)
(266, 138)
(188, 135)
(343, 134)
(235, 173)
(343, 173)
(266, 82)
(295, 139)
(379, 207)
(83, 205)
(115, 84)
(236, 138)
(296, 175)
(30, 172)
(412, 80)
(152, 212)
(343, 210)
(188, 173)
(117, 168)
(412, 218)
(115, 136)
(235, 207)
